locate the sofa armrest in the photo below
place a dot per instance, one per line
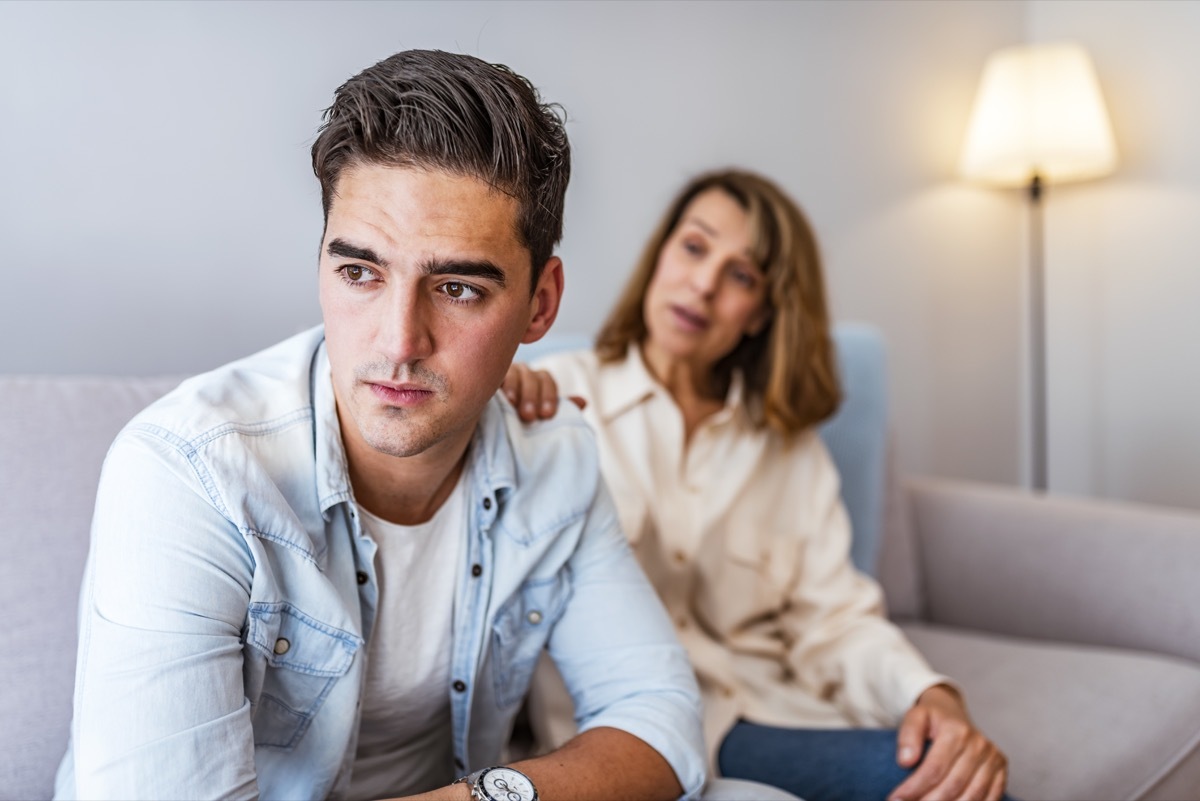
(1010, 562)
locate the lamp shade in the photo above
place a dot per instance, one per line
(1039, 111)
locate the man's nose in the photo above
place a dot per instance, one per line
(405, 334)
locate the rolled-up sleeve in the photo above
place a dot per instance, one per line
(618, 654)
(159, 708)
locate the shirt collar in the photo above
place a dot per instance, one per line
(333, 473)
(492, 464)
(629, 383)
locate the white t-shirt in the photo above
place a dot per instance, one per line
(404, 740)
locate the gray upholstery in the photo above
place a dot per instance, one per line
(54, 433)
(1073, 627)
(1107, 723)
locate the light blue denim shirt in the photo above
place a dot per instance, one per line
(230, 593)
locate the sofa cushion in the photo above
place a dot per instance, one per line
(54, 433)
(1136, 712)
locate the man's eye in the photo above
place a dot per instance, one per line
(460, 291)
(356, 273)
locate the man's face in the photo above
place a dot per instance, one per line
(424, 288)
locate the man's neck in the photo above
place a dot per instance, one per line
(407, 490)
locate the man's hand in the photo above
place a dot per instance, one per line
(961, 762)
(533, 393)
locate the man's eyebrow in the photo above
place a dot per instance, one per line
(340, 248)
(469, 268)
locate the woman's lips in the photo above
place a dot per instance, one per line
(688, 319)
(403, 395)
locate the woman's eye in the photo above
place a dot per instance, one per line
(744, 278)
(695, 248)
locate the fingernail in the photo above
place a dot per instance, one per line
(906, 753)
(527, 408)
(547, 406)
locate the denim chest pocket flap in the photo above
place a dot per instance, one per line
(300, 658)
(520, 632)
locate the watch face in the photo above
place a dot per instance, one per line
(506, 784)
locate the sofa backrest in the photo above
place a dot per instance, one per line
(54, 432)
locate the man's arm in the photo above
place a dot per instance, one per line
(160, 710)
(635, 694)
(600, 763)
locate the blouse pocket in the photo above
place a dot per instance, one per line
(765, 564)
(299, 658)
(520, 632)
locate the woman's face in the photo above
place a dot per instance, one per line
(706, 292)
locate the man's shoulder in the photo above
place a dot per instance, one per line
(557, 459)
(255, 394)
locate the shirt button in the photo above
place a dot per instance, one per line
(487, 503)
(459, 686)
(362, 577)
(282, 646)
(476, 570)
(534, 617)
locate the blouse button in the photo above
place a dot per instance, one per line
(361, 576)
(487, 503)
(459, 686)
(282, 646)
(534, 617)
(476, 570)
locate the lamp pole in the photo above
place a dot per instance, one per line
(1037, 337)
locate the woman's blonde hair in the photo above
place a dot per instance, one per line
(789, 368)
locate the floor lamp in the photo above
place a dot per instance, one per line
(1038, 119)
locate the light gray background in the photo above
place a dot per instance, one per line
(158, 211)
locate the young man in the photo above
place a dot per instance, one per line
(328, 570)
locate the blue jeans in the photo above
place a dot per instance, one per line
(815, 764)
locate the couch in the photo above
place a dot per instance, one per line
(1073, 626)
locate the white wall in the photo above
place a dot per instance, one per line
(158, 213)
(1123, 270)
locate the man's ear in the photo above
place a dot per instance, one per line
(547, 297)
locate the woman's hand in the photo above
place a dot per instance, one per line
(533, 393)
(961, 762)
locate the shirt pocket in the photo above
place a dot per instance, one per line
(520, 631)
(764, 565)
(298, 659)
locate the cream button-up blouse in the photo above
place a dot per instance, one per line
(745, 537)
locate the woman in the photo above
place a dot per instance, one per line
(704, 388)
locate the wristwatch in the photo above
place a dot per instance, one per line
(500, 784)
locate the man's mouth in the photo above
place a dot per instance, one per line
(405, 395)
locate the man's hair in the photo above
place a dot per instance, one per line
(789, 367)
(455, 113)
